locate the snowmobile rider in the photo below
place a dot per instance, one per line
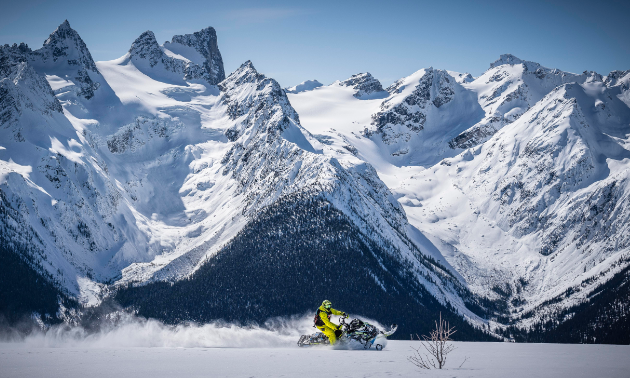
(323, 323)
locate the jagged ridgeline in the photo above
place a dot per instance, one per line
(296, 253)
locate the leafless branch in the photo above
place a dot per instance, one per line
(463, 362)
(436, 347)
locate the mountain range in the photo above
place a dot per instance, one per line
(156, 182)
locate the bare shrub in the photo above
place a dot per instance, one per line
(434, 348)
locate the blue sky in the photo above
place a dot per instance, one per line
(293, 41)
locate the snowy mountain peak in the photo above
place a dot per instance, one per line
(506, 59)
(304, 86)
(593, 77)
(65, 25)
(23, 90)
(410, 103)
(246, 73)
(617, 77)
(260, 99)
(518, 180)
(147, 47)
(204, 43)
(187, 57)
(64, 58)
(364, 84)
(528, 66)
(462, 77)
(508, 89)
(65, 44)
(248, 65)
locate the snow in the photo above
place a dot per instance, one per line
(125, 79)
(482, 174)
(7, 167)
(452, 197)
(57, 82)
(304, 86)
(137, 347)
(90, 291)
(484, 360)
(337, 119)
(185, 53)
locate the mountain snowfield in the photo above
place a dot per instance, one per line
(502, 199)
(534, 209)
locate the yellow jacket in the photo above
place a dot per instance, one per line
(324, 317)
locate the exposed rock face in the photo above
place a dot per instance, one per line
(146, 47)
(472, 137)
(434, 89)
(618, 77)
(304, 86)
(462, 77)
(507, 90)
(64, 54)
(65, 45)
(21, 88)
(205, 43)
(506, 59)
(364, 84)
(191, 56)
(269, 100)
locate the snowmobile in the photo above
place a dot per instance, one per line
(356, 331)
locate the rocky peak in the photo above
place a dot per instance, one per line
(592, 76)
(205, 43)
(66, 44)
(22, 48)
(12, 55)
(528, 67)
(147, 47)
(64, 53)
(195, 56)
(434, 88)
(260, 99)
(363, 83)
(462, 78)
(22, 88)
(615, 77)
(304, 86)
(246, 73)
(506, 59)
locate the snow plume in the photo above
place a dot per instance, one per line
(120, 329)
(126, 330)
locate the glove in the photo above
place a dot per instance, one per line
(344, 314)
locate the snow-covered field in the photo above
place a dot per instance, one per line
(137, 347)
(484, 360)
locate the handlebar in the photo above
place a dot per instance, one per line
(342, 320)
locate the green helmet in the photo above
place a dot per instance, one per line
(326, 304)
